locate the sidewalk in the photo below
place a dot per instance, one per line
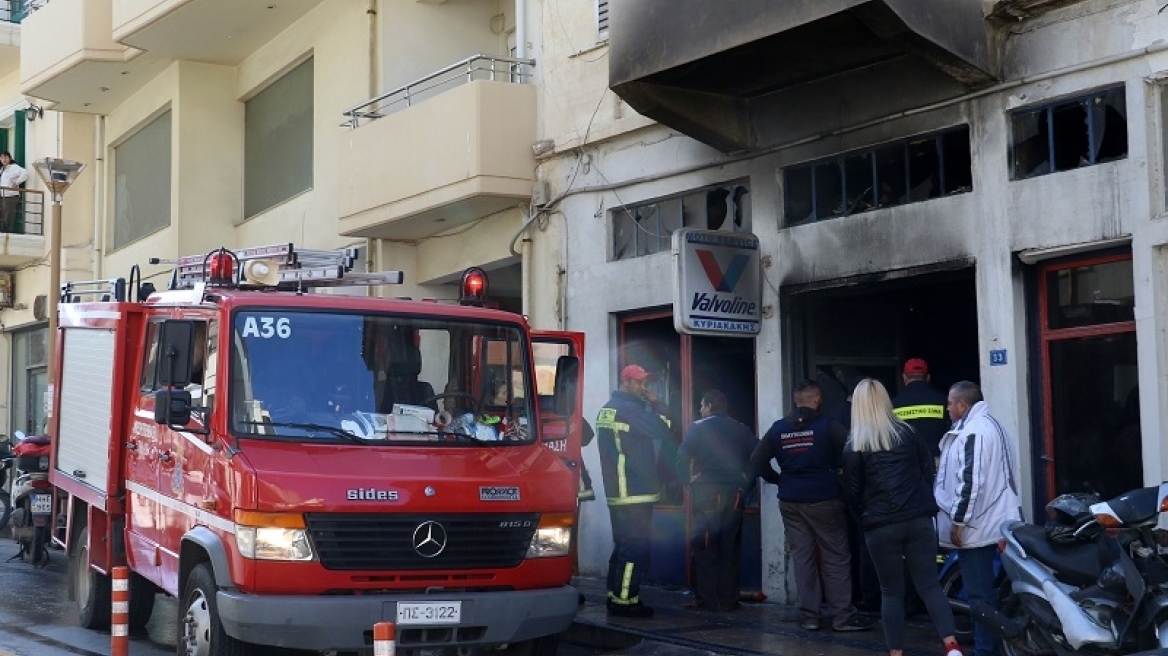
(762, 629)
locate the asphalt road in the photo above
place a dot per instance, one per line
(37, 618)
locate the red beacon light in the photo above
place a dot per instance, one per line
(473, 290)
(219, 267)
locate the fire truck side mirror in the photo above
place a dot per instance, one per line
(567, 375)
(176, 342)
(172, 407)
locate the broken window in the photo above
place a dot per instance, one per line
(647, 228)
(1069, 134)
(910, 171)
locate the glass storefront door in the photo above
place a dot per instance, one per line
(1091, 433)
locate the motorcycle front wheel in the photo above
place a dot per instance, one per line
(5, 509)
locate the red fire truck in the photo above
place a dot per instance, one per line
(294, 467)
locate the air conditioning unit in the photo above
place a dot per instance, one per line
(6, 295)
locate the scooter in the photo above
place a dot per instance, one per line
(32, 499)
(5, 466)
(1092, 582)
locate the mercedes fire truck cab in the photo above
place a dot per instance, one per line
(295, 467)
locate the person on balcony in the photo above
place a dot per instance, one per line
(12, 175)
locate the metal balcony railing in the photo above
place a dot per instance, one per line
(24, 213)
(15, 11)
(476, 67)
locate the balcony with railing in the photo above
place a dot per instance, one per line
(22, 226)
(439, 152)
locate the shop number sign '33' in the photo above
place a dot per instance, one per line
(717, 283)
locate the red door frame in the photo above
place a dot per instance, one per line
(1048, 335)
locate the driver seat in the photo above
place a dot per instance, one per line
(405, 365)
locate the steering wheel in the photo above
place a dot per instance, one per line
(432, 401)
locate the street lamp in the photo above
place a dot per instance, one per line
(57, 174)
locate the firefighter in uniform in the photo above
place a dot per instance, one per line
(714, 459)
(626, 429)
(921, 406)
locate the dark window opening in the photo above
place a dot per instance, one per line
(1070, 134)
(647, 228)
(956, 162)
(909, 171)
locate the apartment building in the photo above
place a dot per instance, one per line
(980, 184)
(207, 123)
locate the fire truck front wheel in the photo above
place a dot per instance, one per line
(200, 632)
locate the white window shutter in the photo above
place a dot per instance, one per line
(602, 16)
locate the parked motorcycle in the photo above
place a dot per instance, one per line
(32, 498)
(5, 466)
(1092, 580)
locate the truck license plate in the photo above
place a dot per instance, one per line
(42, 504)
(429, 612)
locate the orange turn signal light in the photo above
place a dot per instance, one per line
(269, 520)
(557, 520)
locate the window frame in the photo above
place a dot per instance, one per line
(263, 205)
(1047, 109)
(876, 154)
(662, 230)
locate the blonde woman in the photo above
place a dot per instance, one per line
(888, 476)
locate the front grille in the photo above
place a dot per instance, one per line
(352, 541)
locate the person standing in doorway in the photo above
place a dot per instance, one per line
(12, 175)
(626, 430)
(714, 459)
(888, 478)
(976, 490)
(921, 406)
(808, 447)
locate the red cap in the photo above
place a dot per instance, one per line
(634, 372)
(916, 366)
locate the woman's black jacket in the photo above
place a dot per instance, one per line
(885, 487)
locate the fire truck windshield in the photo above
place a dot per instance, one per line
(377, 379)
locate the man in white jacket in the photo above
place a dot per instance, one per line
(976, 490)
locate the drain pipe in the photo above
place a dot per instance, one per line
(521, 29)
(373, 258)
(525, 275)
(99, 174)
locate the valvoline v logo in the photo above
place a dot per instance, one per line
(723, 280)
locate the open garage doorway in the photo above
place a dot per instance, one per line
(684, 368)
(869, 328)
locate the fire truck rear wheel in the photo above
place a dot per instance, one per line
(200, 633)
(91, 589)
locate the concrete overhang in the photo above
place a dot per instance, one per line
(725, 72)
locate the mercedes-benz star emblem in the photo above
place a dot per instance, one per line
(429, 539)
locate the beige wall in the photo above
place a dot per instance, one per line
(336, 36)
(419, 38)
(573, 77)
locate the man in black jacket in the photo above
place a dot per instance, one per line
(714, 459)
(626, 429)
(808, 446)
(921, 406)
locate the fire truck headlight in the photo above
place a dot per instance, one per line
(553, 537)
(550, 542)
(272, 536)
(273, 543)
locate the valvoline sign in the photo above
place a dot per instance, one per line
(717, 283)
